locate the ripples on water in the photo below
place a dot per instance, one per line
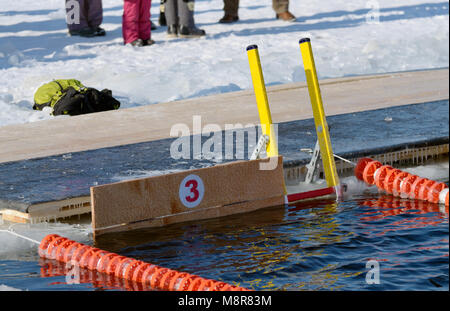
(316, 245)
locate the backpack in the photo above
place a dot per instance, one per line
(71, 97)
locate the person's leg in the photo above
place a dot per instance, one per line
(144, 20)
(171, 14)
(95, 17)
(281, 8)
(187, 27)
(186, 12)
(130, 18)
(162, 15)
(77, 15)
(95, 13)
(230, 8)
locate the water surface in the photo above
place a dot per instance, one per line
(315, 245)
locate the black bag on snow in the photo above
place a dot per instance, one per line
(71, 97)
(90, 100)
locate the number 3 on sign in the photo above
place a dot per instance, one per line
(191, 191)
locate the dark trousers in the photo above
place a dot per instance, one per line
(180, 12)
(231, 7)
(91, 14)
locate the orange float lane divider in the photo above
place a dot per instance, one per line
(400, 183)
(62, 249)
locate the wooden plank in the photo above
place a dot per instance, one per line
(196, 194)
(62, 208)
(15, 216)
(49, 210)
(148, 123)
(194, 215)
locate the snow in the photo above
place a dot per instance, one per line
(35, 49)
(15, 248)
(7, 288)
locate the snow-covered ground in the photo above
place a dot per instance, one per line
(35, 48)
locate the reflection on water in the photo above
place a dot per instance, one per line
(73, 275)
(314, 245)
(388, 205)
(311, 245)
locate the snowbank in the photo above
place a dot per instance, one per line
(35, 48)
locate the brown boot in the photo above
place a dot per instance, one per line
(286, 16)
(227, 19)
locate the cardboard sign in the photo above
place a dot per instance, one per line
(210, 192)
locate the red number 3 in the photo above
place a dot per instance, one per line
(191, 191)
(195, 194)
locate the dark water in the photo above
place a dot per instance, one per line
(316, 245)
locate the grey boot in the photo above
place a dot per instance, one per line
(190, 32)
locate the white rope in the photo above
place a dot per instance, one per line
(308, 150)
(21, 236)
(345, 160)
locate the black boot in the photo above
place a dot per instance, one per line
(228, 19)
(85, 32)
(99, 31)
(172, 31)
(153, 26)
(190, 32)
(148, 42)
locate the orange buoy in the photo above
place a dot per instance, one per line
(380, 175)
(425, 188)
(84, 256)
(399, 183)
(369, 171)
(396, 185)
(434, 191)
(416, 186)
(406, 185)
(389, 180)
(359, 168)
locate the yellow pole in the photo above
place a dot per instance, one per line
(320, 121)
(261, 100)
